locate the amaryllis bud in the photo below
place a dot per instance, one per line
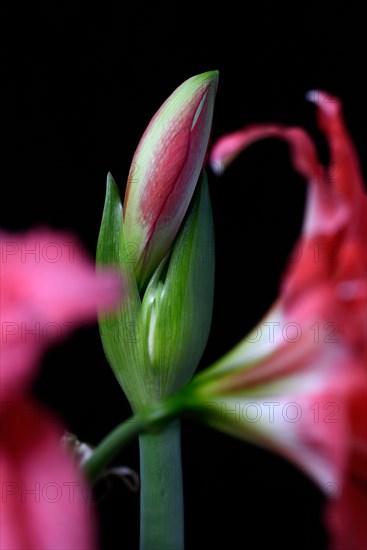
(155, 343)
(165, 170)
(162, 242)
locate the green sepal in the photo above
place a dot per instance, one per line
(123, 333)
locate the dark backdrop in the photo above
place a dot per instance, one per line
(79, 85)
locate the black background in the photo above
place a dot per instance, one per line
(79, 84)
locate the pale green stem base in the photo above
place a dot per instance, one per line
(161, 500)
(154, 417)
(112, 444)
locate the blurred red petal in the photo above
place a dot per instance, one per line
(48, 286)
(45, 502)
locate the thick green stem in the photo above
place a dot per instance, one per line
(161, 500)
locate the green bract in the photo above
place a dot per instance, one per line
(155, 341)
(179, 299)
(123, 335)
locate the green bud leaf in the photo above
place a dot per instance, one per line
(123, 333)
(180, 298)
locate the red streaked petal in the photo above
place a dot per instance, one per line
(228, 147)
(346, 517)
(324, 212)
(344, 172)
(346, 179)
(165, 170)
(326, 280)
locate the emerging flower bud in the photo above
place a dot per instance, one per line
(162, 242)
(165, 171)
(155, 343)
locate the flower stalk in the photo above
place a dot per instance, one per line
(154, 342)
(152, 419)
(161, 498)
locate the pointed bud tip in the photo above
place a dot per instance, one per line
(209, 80)
(110, 178)
(211, 75)
(208, 75)
(110, 183)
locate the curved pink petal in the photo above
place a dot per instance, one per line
(346, 179)
(45, 502)
(325, 213)
(344, 170)
(48, 286)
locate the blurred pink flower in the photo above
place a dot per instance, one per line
(45, 502)
(324, 288)
(47, 287)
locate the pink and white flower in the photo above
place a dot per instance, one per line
(297, 392)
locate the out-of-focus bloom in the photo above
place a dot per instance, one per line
(298, 383)
(45, 502)
(165, 170)
(47, 286)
